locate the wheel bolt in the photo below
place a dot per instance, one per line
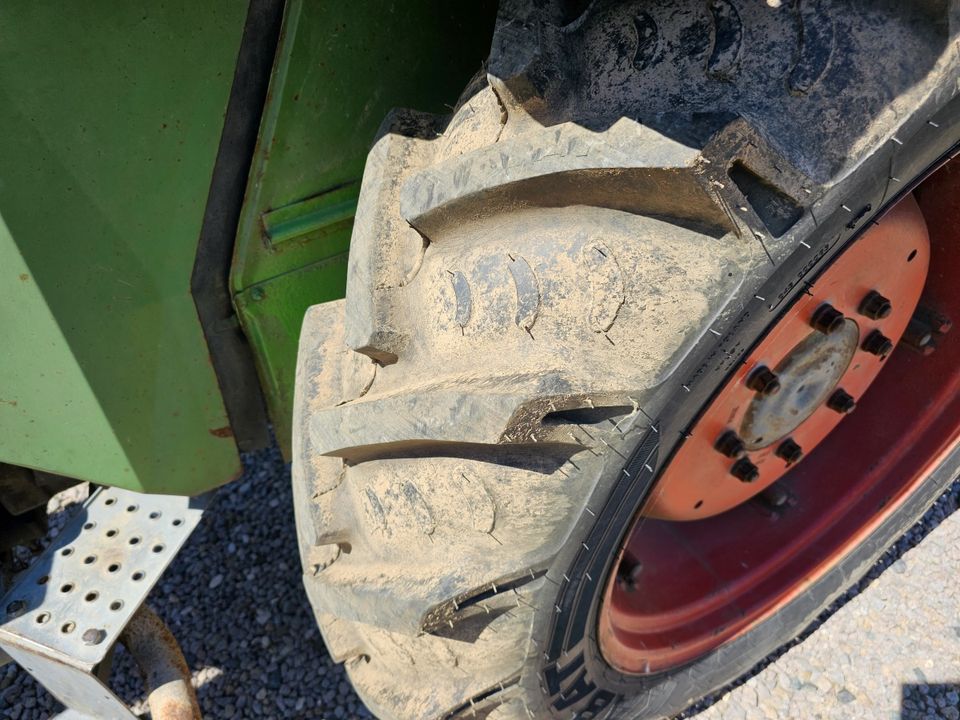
(878, 344)
(875, 306)
(731, 445)
(940, 324)
(774, 497)
(628, 573)
(789, 451)
(745, 471)
(827, 319)
(842, 402)
(763, 381)
(918, 336)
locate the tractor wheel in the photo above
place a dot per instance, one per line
(645, 355)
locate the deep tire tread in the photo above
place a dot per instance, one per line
(530, 279)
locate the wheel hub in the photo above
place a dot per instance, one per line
(701, 566)
(807, 376)
(821, 364)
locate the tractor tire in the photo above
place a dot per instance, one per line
(545, 291)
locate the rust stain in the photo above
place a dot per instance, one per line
(24, 277)
(12, 403)
(223, 432)
(172, 710)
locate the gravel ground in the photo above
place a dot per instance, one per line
(233, 598)
(889, 649)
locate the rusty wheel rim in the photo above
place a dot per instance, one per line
(780, 478)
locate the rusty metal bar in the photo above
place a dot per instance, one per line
(164, 669)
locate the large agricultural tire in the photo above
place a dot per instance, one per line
(549, 287)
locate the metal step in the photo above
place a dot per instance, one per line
(66, 612)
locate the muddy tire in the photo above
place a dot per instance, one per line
(545, 289)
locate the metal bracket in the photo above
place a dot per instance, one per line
(66, 612)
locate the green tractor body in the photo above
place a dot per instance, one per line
(161, 237)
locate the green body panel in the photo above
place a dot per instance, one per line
(340, 68)
(110, 119)
(72, 431)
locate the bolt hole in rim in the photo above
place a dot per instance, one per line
(730, 534)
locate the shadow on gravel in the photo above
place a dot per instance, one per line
(923, 701)
(234, 599)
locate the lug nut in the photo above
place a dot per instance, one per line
(919, 337)
(774, 497)
(763, 381)
(745, 471)
(731, 445)
(875, 306)
(789, 451)
(827, 319)
(842, 402)
(878, 344)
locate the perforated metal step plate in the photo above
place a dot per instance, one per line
(68, 609)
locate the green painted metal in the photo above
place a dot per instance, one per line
(273, 314)
(110, 117)
(340, 68)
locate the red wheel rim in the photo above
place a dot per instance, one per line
(706, 560)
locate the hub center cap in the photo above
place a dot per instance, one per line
(807, 376)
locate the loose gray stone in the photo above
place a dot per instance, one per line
(845, 696)
(884, 643)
